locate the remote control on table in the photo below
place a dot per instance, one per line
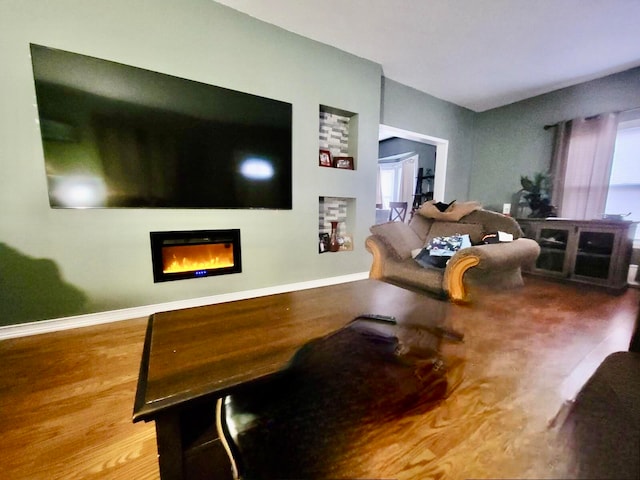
(378, 318)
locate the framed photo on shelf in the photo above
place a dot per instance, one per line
(323, 244)
(343, 162)
(325, 158)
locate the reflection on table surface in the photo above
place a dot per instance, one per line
(312, 420)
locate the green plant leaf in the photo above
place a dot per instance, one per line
(527, 184)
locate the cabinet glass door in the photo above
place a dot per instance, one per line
(553, 249)
(594, 254)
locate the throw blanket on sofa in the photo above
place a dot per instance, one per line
(453, 213)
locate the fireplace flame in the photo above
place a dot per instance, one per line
(189, 258)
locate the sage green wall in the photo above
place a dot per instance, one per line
(409, 109)
(511, 141)
(56, 263)
(62, 262)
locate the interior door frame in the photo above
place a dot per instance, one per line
(442, 150)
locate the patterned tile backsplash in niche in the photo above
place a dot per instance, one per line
(332, 209)
(334, 133)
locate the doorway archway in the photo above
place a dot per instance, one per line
(442, 148)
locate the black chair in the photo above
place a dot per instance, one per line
(398, 211)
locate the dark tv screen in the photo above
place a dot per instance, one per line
(120, 136)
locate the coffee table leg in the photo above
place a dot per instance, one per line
(169, 438)
(207, 458)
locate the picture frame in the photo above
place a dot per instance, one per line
(323, 243)
(325, 158)
(345, 163)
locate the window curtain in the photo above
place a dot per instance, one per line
(581, 165)
(403, 184)
(559, 163)
(408, 181)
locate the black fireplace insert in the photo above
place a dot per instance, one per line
(178, 255)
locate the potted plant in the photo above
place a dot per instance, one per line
(537, 193)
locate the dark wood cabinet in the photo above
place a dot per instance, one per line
(588, 251)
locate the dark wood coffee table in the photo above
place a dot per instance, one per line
(193, 357)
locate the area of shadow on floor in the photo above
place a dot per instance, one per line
(303, 423)
(32, 289)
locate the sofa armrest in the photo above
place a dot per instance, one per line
(493, 257)
(381, 254)
(502, 256)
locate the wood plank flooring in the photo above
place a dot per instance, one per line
(66, 398)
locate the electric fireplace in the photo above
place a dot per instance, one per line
(191, 254)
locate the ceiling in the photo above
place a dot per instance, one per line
(479, 54)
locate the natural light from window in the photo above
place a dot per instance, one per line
(624, 183)
(389, 180)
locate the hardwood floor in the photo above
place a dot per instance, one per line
(67, 397)
(67, 400)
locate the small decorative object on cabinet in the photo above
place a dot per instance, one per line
(537, 193)
(588, 251)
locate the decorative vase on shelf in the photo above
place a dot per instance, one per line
(334, 245)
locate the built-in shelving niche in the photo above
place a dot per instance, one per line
(342, 210)
(338, 133)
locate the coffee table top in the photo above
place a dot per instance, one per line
(207, 351)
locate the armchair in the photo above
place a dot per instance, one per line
(497, 265)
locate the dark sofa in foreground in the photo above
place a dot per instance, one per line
(603, 425)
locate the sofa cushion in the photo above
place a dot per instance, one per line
(421, 225)
(447, 229)
(398, 237)
(494, 222)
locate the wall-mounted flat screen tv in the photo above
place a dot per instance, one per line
(121, 136)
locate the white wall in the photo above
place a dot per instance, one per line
(105, 253)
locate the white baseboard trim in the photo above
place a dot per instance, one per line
(67, 323)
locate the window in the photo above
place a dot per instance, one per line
(624, 184)
(398, 178)
(390, 182)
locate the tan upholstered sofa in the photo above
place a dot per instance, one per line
(497, 265)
